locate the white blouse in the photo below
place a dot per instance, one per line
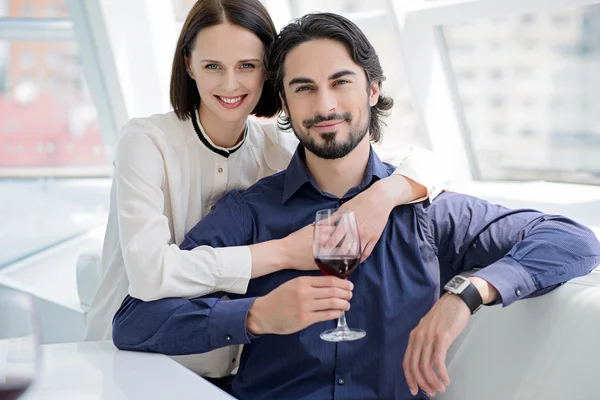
(166, 178)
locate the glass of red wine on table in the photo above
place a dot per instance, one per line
(19, 344)
(337, 252)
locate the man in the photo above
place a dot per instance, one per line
(329, 78)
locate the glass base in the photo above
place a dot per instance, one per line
(343, 335)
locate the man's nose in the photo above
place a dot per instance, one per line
(326, 102)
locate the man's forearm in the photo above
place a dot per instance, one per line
(554, 251)
(177, 326)
(486, 290)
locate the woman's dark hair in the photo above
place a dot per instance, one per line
(334, 27)
(249, 14)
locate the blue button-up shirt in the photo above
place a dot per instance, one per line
(524, 252)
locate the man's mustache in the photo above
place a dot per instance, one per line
(309, 123)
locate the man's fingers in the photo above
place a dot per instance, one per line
(329, 282)
(426, 367)
(331, 292)
(439, 362)
(320, 316)
(330, 304)
(406, 363)
(415, 365)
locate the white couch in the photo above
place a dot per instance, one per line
(543, 348)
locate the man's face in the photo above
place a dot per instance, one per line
(327, 98)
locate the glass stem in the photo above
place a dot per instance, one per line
(342, 326)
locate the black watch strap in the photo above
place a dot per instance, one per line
(470, 295)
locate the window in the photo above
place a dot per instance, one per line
(36, 8)
(528, 19)
(26, 60)
(561, 136)
(54, 166)
(344, 7)
(182, 8)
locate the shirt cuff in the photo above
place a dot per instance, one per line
(510, 279)
(423, 171)
(236, 269)
(227, 325)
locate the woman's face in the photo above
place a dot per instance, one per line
(227, 65)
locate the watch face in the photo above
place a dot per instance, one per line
(457, 284)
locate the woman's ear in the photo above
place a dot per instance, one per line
(188, 68)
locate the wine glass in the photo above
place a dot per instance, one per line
(19, 344)
(337, 251)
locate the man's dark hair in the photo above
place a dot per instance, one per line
(249, 14)
(333, 27)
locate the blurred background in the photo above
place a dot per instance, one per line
(507, 94)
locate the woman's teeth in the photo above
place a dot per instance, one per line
(230, 100)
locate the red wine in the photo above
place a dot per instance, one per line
(341, 267)
(13, 388)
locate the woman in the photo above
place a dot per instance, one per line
(171, 168)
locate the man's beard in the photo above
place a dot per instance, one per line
(331, 149)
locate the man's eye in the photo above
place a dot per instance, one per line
(302, 89)
(341, 82)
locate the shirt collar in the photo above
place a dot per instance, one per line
(297, 174)
(222, 151)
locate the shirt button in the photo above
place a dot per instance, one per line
(518, 292)
(212, 207)
(233, 360)
(220, 169)
(341, 381)
(228, 338)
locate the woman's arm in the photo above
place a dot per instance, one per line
(155, 265)
(423, 170)
(415, 179)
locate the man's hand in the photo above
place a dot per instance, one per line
(299, 303)
(429, 342)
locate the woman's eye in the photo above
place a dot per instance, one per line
(247, 66)
(212, 66)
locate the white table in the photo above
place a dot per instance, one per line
(97, 370)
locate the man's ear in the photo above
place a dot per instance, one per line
(283, 104)
(374, 92)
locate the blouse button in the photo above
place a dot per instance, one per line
(220, 170)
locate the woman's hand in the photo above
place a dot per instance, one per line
(373, 206)
(297, 248)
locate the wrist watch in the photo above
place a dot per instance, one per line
(463, 288)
